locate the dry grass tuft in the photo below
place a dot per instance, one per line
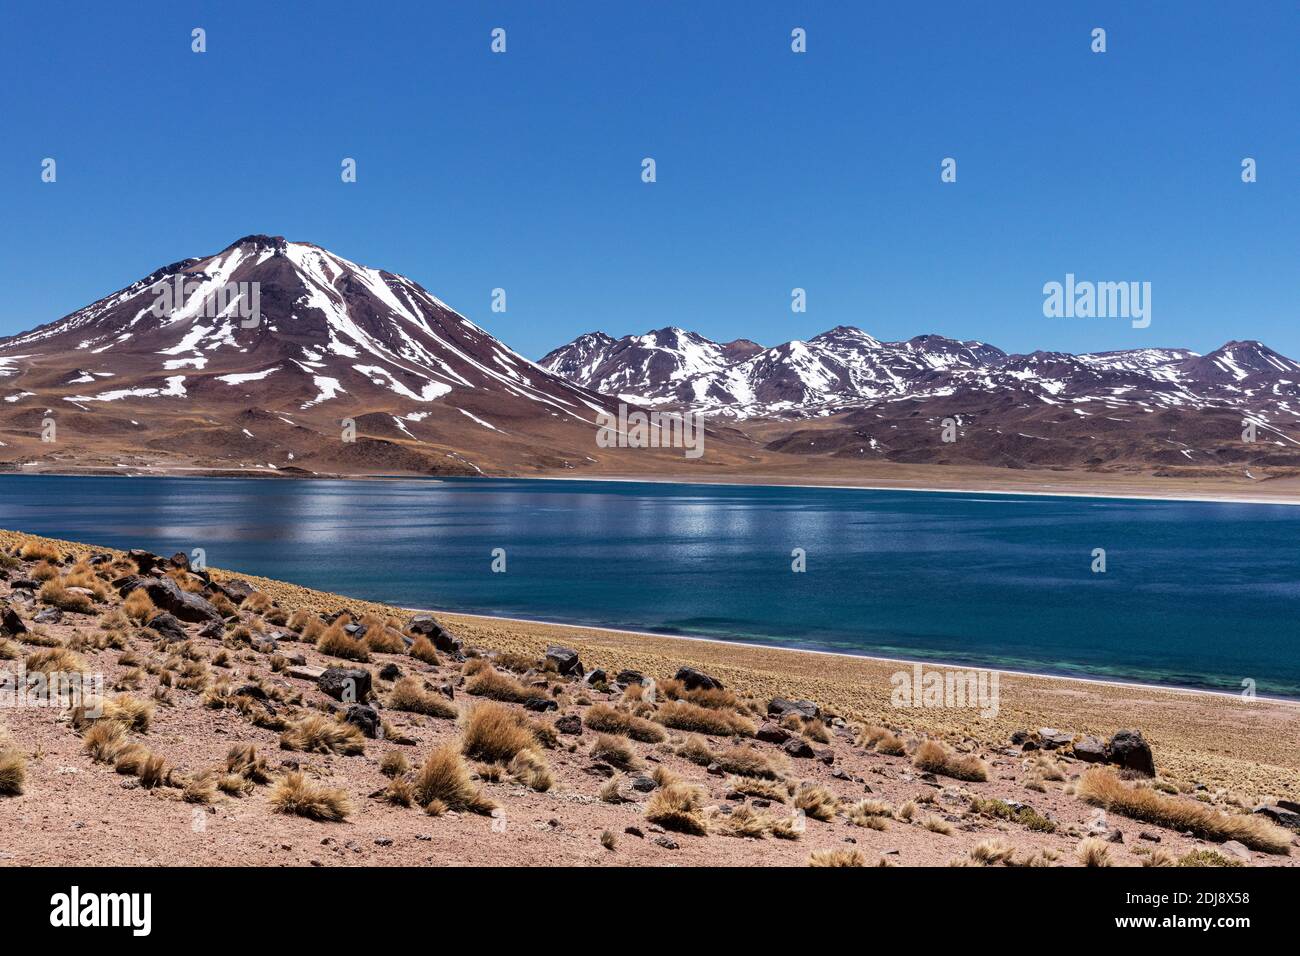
(1102, 788)
(748, 762)
(336, 642)
(105, 741)
(683, 715)
(244, 761)
(1093, 852)
(678, 807)
(616, 751)
(605, 719)
(423, 650)
(490, 682)
(49, 660)
(316, 733)
(409, 694)
(816, 801)
(40, 551)
(393, 764)
(763, 789)
(843, 857)
(531, 769)
(936, 757)
(443, 783)
(881, 740)
(56, 594)
(295, 794)
(13, 772)
(496, 733)
(138, 606)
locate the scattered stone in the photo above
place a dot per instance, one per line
(171, 629)
(167, 595)
(390, 671)
(426, 626)
(303, 672)
(1019, 737)
(772, 733)
(540, 704)
(1149, 836)
(634, 831)
(1277, 814)
(1130, 750)
(51, 615)
(213, 629)
(642, 783)
(779, 707)
(1090, 750)
(424, 836)
(734, 795)
(798, 747)
(1237, 849)
(569, 724)
(1052, 739)
(565, 660)
(146, 561)
(11, 625)
(254, 691)
(1115, 836)
(181, 560)
(697, 680)
(630, 677)
(597, 676)
(667, 842)
(348, 684)
(236, 589)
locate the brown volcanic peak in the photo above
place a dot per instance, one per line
(332, 341)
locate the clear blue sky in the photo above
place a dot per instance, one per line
(775, 170)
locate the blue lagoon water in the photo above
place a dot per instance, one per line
(1195, 593)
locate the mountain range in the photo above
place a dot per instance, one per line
(346, 369)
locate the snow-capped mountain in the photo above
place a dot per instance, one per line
(846, 368)
(331, 340)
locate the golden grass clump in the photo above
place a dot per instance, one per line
(870, 813)
(56, 594)
(692, 718)
(443, 782)
(295, 794)
(393, 764)
(616, 751)
(1093, 852)
(13, 771)
(40, 551)
(1102, 788)
(993, 851)
(410, 695)
(105, 741)
(50, 660)
(936, 757)
(678, 807)
(714, 698)
(138, 606)
(763, 789)
(496, 733)
(840, 857)
(423, 650)
(816, 801)
(490, 682)
(882, 740)
(316, 733)
(336, 642)
(748, 762)
(244, 761)
(531, 769)
(605, 719)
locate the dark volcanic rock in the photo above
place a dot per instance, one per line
(348, 684)
(1052, 739)
(697, 680)
(1090, 750)
(365, 718)
(146, 561)
(11, 625)
(390, 671)
(569, 724)
(167, 625)
(778, 707)
(442, 639)
(565, 660)
(798, 747)
(167, 595)
(51, 615)
(630, 677)
(1129, 749)
(236, 589)
(772, 733)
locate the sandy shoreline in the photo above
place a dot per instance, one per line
(1007, 488)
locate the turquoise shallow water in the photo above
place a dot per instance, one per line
(1195, 594)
